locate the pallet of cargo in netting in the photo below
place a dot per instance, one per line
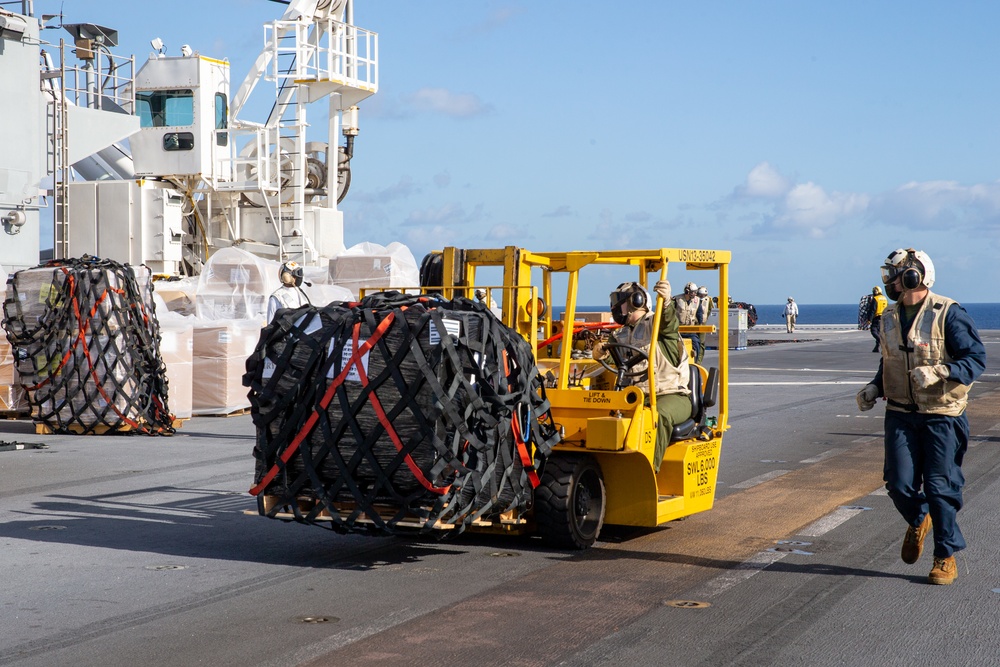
(15, 414)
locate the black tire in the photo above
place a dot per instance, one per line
(570, 501)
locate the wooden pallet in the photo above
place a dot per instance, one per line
(509, 523)
(100, 429)
(15, 414)
(235, 413)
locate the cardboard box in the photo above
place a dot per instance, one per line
(220, 352)
(359, 271)
(177, 352)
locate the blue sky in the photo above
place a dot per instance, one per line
(809, 138)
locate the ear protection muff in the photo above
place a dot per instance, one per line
(637, 299)
(911, 278)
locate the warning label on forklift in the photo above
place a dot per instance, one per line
(597, 398)
(700, 469)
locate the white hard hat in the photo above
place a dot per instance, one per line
(290, 274)
(914, 265)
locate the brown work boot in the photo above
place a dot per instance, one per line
(944, 571)
(913, 543)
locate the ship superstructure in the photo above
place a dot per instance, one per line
(195, 175)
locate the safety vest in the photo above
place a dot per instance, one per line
(670, 379)
(924, 346)
(687, 311)
(880, 303)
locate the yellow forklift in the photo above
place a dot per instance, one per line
(602, 470)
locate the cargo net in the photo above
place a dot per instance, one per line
(397, 411)
(86, 345)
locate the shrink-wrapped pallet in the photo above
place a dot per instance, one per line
(220, 354)
(85, 339)
(235, 285)
(397, 408)
(177, 351)
(369, 265)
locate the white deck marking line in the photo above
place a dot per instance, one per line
(880, 491)
(760, 479)
(864, 440)
(795, 384)
(995, 427)
(829, 522)
(741, 572)
(763, 559)
(824, 456)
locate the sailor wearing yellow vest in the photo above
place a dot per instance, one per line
(931, 354)
(880, 304)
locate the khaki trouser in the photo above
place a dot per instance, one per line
(790, 323)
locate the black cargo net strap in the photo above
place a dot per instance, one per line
(86, 345)
(396, 408)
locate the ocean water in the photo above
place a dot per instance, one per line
(985, 315)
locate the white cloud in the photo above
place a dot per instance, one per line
(442, 179)
(808, 208)
(938, 205)
(448, 215)
(400, 190)
(508, 234)
(448, 103)
(563, 211)
(763, 182)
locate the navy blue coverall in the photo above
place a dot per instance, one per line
(926, 450)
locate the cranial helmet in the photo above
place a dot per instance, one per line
(690, 288)
(702, 291)
(876, 291)
(914, 266)
(626, 298)
(290, 274)
(790, 299)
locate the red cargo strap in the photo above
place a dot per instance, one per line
(307, 428)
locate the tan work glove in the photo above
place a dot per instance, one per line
(925, 376)
(598, 352)
(866, 397)
(662, 287)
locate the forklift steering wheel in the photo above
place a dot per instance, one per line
(625, 357)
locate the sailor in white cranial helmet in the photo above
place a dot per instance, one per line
(704, 310)
(687, 305)
(914, 268)
(290, 294)
(931, 354)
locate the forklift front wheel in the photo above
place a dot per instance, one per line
(570, 501)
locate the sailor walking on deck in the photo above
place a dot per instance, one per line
(791, 312)
(931, 354)
(880, 302)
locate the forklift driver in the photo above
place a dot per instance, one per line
(630, 308)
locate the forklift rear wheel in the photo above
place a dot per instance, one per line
(570, 501)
